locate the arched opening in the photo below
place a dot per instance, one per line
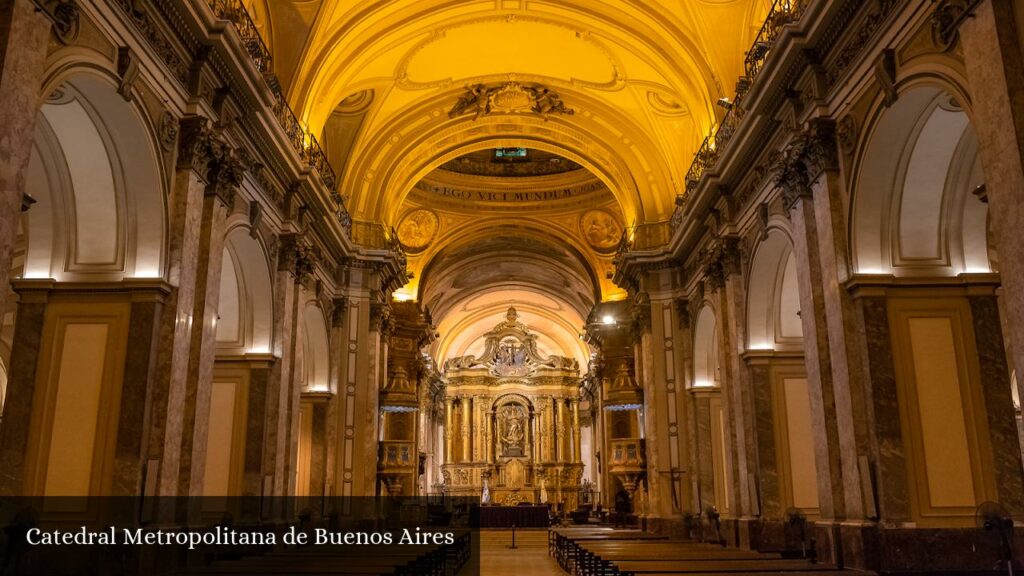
(99, 216)
(775, 362)
(919, 214)
(100, 196)
(913, 212)
(245, 307)
(315, 350)
(706, 366)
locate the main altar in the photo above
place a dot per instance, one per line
(512, 423)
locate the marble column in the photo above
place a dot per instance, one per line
(702, 463)
(260, 369)
(224, 177)
(21, 382)
(282, 406)
(995, 383)
(992, 48)
(195, 157)
(768, 475)
(318, 454)
(817, 359)
(138, 379)
(736, 388)
(24, 37)
(891, 495)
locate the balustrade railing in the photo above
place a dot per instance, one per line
(303, 141)
(782, 13)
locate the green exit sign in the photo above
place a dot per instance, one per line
(510, 152)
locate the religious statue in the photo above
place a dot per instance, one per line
(513, 433)
(509, 97)
(475, 99)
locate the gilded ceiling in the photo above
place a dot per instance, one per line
(411, 98)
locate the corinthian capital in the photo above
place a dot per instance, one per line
(225, 176)
(810, 153)
(720, 260)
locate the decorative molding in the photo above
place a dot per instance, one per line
(127, 72)
(510, 97)
(168, 130)
(640, 316)
(64, 15)
(380, 317)
(810, 153)
(720, 260)
(947, 18)
(161, 46)
(339, 312)
(885, 74)
(255, 218)
(682, 306)
(861, 38)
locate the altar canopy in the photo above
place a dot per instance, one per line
(512, 422)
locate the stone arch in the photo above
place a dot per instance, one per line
(706, 364)
(100, 190)
(246, 309)
(315, 349)
(912, 210)
(773, 298)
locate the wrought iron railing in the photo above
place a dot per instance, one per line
(234, 11)
(303, 141)
(702, 160)
(782, 13)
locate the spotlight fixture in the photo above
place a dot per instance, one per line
(724, 103)
(608, 320)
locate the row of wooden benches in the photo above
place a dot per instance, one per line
(605, 552)
(406, 560)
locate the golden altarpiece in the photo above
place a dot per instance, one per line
(512, 422)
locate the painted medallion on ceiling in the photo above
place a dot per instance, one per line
(600, 229)
(417, 229)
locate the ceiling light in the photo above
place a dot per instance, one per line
(608, 319)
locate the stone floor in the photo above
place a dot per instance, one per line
(530, 556)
